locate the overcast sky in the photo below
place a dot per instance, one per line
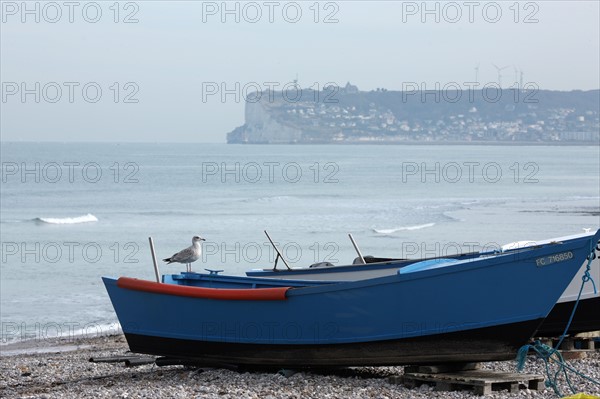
(155, 70)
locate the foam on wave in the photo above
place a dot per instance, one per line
(79, 219)
(404, 228)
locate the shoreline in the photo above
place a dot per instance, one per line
(60, 368)
(433, 142)
(327, 143)
(36, 346)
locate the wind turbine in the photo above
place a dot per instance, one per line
(477, 73)
(499, 70)
(521, 80)
(518, 77)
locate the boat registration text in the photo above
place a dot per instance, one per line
(550, 259)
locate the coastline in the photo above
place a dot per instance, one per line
(439, 143)
(60, 368)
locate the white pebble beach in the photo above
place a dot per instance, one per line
(61, 369)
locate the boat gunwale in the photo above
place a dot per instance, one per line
(244, 294)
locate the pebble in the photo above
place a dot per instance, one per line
(69, 374)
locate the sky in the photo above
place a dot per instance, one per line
(178, 71)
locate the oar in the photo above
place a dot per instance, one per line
(357, 250)
(279, 255)
(156, 272)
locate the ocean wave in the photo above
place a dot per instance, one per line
(79, 219)
(271, 198)
(11, 221)
(404, 228)
(578, 197)
(165, 213)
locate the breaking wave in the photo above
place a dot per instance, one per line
(404, 228)
(79, 219)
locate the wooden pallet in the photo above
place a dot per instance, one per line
(570, 344)
(573, 343)
(574, 348)
(442, 368)
(482, 382)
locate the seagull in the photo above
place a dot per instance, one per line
(188, 255)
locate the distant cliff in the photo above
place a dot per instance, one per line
(347, 115)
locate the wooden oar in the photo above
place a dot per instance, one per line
(279, 255)
(357, 250)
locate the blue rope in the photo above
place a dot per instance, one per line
(546, 352)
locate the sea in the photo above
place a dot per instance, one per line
(74, 212)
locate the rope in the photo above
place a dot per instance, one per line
(546, 353)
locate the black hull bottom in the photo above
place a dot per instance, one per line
(478, 345)
(587, 318)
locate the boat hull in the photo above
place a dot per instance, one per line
(484, 344)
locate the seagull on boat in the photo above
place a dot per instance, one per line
(188, 255)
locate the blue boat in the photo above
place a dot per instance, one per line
(480, 309)
(587, 317)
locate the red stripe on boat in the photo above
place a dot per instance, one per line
(250, 294)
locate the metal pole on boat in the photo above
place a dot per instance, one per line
(357, 250)
(156, 272)
(279, 255)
